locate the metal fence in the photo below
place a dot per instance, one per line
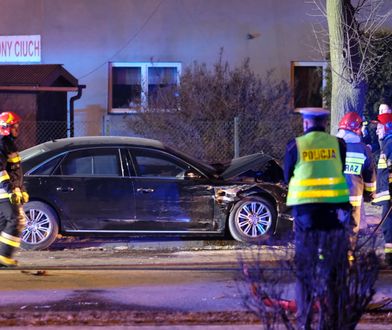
(33, 133)
(210, 141)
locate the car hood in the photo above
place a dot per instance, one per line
(238, 166)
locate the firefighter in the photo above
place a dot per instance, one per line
(384, 180)
(12, 193)
(359, 168)
(319, 196)
(384, 108)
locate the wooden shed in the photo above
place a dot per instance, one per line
(38, 93)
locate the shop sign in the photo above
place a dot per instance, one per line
(20, 48)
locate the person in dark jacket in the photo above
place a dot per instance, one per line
(319, 196)
(12, 193)
(384, 180)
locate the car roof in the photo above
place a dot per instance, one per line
(49, 148)
(35, 154)
(101, 140)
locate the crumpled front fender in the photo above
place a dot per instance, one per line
(230, 194)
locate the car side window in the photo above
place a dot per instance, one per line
(91, 162)
(151, 163)
(46, 168)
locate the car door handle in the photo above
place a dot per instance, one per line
(65, 189)
(145, 190)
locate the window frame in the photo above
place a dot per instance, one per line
(174, 158)
(113, 150)
(294, 64)
(144, 66)
(124, 172)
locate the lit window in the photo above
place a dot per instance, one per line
(136, 86)
(308, 82)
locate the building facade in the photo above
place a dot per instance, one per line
(91, 38)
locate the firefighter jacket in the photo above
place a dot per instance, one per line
(10, 167)
(359, 169)
(317, 175)
(384, 172)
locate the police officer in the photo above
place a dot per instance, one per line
(319, 196)
(359, 168)
(384, 180)
(12, 193)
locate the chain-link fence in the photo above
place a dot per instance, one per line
(33, 133)
(218, 141)
(210, 141)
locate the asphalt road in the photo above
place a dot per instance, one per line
(127, 282)
(115, 282)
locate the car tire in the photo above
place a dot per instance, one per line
(252, 220)
(41, 226)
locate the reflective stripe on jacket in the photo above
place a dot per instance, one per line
(359, 171)
(383, 176)
(318, 176)
(388, 247)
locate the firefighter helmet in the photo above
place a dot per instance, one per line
(7, 119)
(386, 120)
(351, 121)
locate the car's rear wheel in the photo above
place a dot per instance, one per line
(41, 226)
(252, 220)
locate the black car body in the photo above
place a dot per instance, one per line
(134, 186)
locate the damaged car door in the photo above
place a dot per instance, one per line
(170, 195)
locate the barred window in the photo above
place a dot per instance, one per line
(135, 86)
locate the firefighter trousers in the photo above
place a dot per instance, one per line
(387, 225)
(387, 231)
(9, 232)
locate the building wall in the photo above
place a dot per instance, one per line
(84, 35)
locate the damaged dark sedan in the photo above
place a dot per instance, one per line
(132, 186)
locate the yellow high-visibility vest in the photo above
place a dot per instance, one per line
(318, 176)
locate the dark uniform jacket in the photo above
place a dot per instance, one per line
(321, 215)
(10, 167)
(360, 177)
(384, 173)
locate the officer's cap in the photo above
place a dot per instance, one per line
(312, 112)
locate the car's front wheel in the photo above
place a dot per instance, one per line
(41, 226)
(252, 220)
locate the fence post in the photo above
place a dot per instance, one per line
(236, 138)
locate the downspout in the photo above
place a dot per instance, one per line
(72, 109)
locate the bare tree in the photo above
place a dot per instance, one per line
(340, 293)
(353, 27)
(198, 115)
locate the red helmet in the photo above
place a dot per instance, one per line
(351, 121)
(386, 120)
(7, 119)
